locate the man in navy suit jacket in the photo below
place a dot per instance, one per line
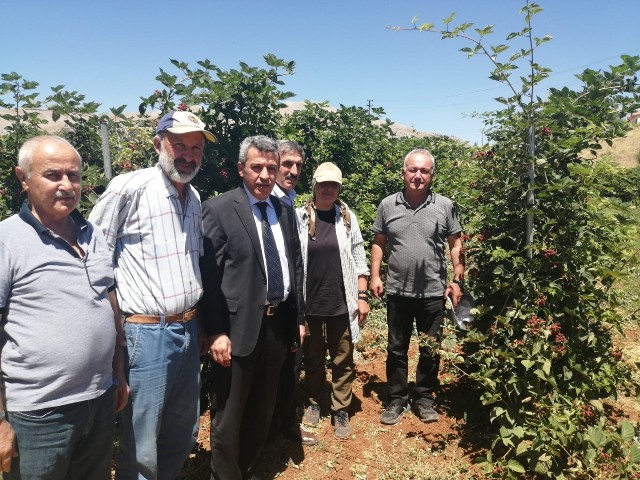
(249, 336)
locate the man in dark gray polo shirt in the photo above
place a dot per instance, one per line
(414, 226)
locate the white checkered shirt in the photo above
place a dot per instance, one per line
(156, 244)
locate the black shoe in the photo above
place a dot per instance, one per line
(393, 413)
(341, 428)
(425, 412)
(298, 436)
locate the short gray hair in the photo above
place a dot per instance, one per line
(261, 143)
(290, 146)
(421, 151)
(25, 155)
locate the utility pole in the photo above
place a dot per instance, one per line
(530, 197)
(369, 105)
(106, 153)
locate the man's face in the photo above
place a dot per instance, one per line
(180, 155)
(259, 172)
(418, 173)
(53, 184)
(290, 170)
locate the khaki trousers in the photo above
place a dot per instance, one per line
(330, 333)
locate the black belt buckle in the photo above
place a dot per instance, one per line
(270, 310)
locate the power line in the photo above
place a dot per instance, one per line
(553, 74)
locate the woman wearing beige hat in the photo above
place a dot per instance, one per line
(335, 288)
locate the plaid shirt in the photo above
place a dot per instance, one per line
(156, 243)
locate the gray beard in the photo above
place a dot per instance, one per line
(168, 166)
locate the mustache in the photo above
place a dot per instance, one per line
(65, 195)
(290, 176)
(182, 160)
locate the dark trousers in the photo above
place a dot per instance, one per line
(242, 408)
(428, 314)
(286, 410)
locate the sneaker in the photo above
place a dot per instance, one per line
(311, 415)
(393, 413)
(341, 428)
(425, 412)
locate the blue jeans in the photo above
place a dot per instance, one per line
(159, 425)
(428, 314)
(68, 442)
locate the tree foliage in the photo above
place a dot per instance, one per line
(541, 352)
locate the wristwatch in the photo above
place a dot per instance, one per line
(460, 283)
(3, 415)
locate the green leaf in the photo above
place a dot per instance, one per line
(598, 404)
(523, 447)
(634, 454)
(484, 31)
(527, 364)
(596, 436)
(627, 431)
(499, 49)
(449, 19)
(515, 466)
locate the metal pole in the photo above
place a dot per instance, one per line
(530, 199)
(106, 153)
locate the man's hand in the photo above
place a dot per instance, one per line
(220, 350)
(122, 394)
(363, 311)
(122, 388)
(303, 333)
(376, 286)
(7, 445)
(455, 292)
(203, 339)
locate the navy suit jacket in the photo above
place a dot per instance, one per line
(234, 276)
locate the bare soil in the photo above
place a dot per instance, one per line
(444, 450)
(410, 449)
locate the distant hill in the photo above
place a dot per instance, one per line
(625, 150)
(51, 127)
(398, 129)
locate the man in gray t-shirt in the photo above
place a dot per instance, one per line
(59, 327)
(414, 226)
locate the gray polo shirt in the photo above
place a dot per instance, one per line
(416, 242)
(57, 335)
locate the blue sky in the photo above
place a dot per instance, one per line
(111, 50)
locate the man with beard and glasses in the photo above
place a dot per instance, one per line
(153, 224)
(60, 357)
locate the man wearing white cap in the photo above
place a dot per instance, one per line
(152, 221)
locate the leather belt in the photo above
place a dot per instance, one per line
(183, 317)
(269, 310)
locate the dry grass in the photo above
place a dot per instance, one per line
(626, 150)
